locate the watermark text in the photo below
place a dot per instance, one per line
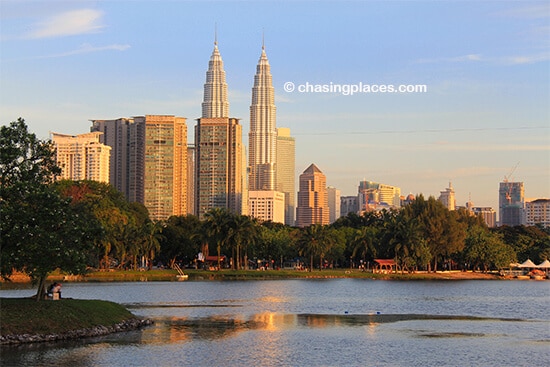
(351, 89)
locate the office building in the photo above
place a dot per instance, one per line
(374, 196)
(285, 172)
(82, 157)
(116, 134)
(267, 205)
(511, 203)
(447, 197)
(333, 204)
(538, 212)
(348, 204)
(488, 214)
(219, 170)
(312, 198)
(262, 138)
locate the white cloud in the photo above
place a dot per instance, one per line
(87, 48)
(68, 23)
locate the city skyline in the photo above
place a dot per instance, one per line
(486, 69)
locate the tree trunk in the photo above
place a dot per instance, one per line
(311, 263)
(41, 292)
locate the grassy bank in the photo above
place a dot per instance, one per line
(227, 274)
(26, 316)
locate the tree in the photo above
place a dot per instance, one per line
(181, 238)
(315, 240)
(243, 230)
(40, 230)
(217, 223)
(487, 249)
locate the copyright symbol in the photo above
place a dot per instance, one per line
(289, 87)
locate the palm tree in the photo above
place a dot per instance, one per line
(243, 231)
(151, 241)
(315, 240)
(364, 242)
(217, 223)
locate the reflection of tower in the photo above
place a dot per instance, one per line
(218, 146)
(263, 134)
(511, 203)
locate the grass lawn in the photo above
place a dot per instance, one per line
(26, 316)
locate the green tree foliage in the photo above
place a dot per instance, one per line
(486, 249)
(41, 230)
(126, 226)
(217, 223)
(181, 239)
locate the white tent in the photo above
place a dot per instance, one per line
(544, 265)
(528, 264)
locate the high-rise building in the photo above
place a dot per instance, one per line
(285, 172)
(219, 171)
(333, 203)
(374, 196)
(312, 198)
(82, 157)
(190, 179)
(163, 165)
(218, 165)
(511, 203)
(538, 212)
(116, 134)
(488, 214)
(215, 103)
(447, 197)
(348, 204)
(262, 138)
(267, 205)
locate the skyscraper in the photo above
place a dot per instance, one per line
(215, 103)
(262, 138)
(333, 203)
(285, 172)
(163, 165)
(447, 197)
(150, 161)
(511, 203)
(219, 174)
(82, 157)
(312, 198)
(116, 134)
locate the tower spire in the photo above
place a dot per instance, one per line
(215, 34)
(263, 40)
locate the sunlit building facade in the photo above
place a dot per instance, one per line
(219, 168)
(312, 198)
(82, 157)
(538, 212)
(285, 172)
(262, 138)
(267, 205)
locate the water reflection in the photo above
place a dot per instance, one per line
(185, 329)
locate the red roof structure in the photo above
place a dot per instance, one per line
(385, 266)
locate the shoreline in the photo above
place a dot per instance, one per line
(228, 274)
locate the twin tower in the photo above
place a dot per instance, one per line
(222, 176)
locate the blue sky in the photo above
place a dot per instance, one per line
(485, 64)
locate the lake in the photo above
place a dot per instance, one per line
(322, 322)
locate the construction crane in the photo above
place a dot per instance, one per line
(507, 180)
